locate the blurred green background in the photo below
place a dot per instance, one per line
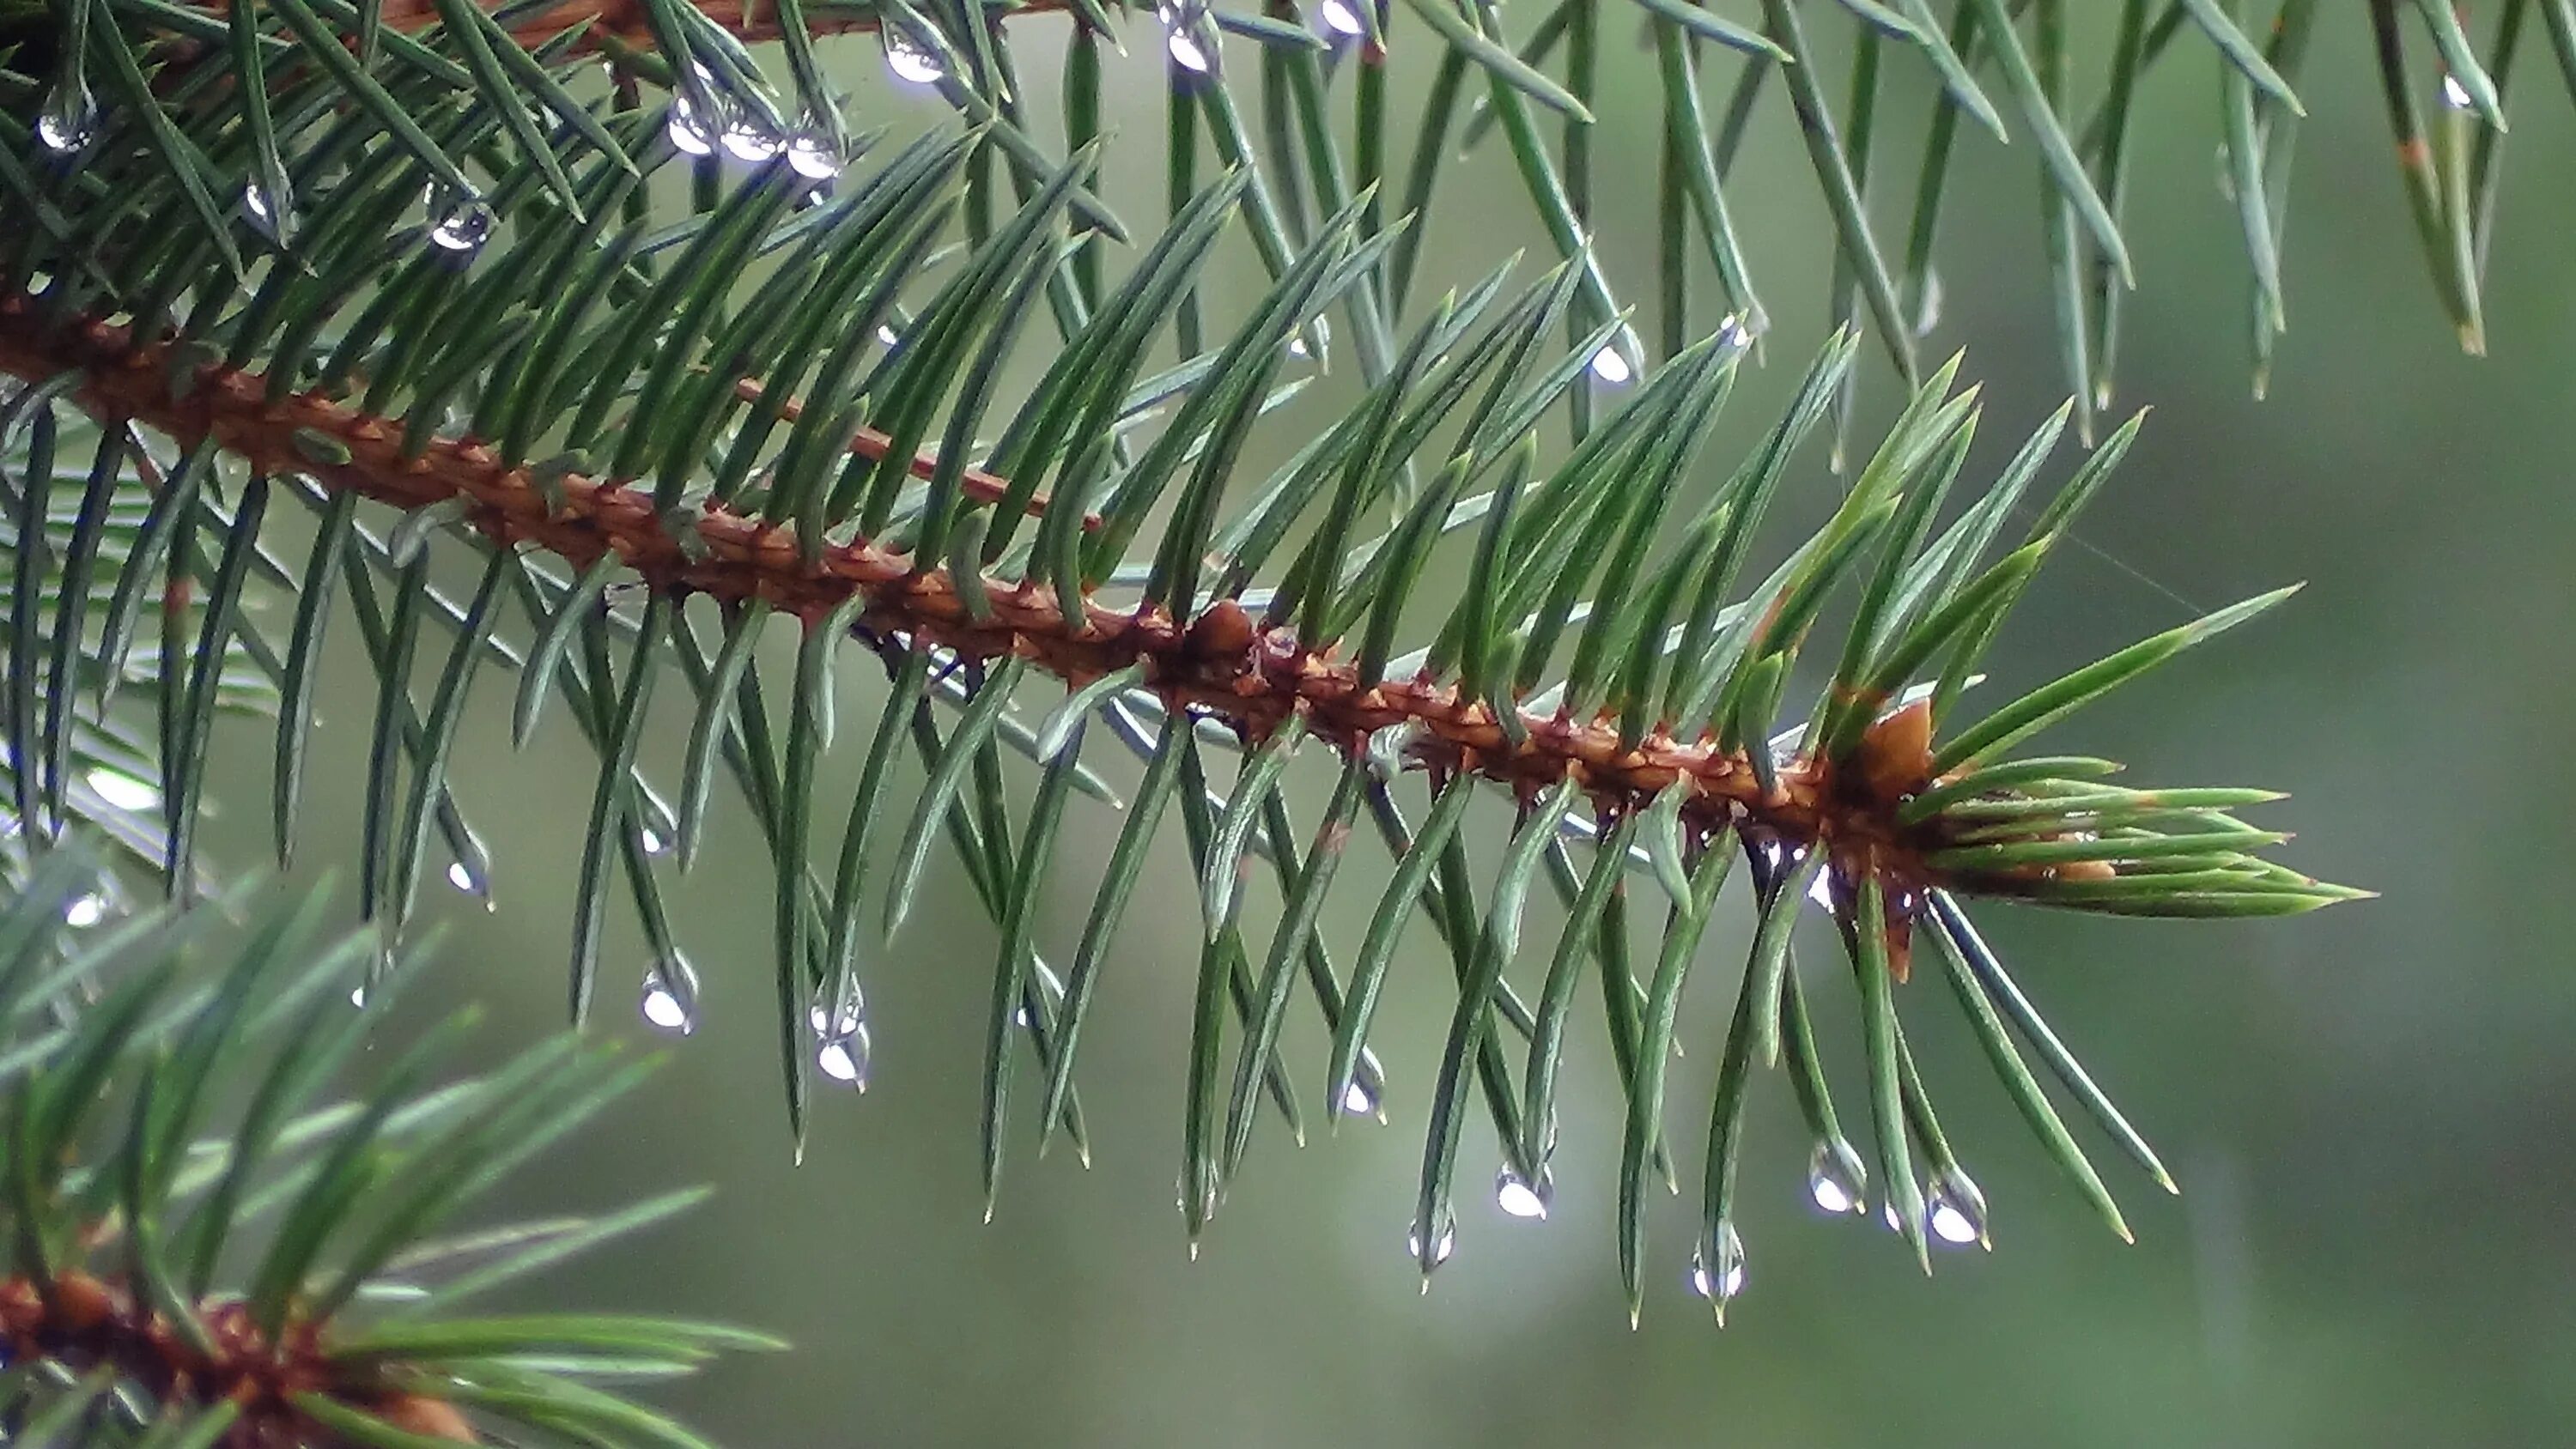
(2369, 1109)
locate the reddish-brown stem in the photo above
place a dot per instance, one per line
(1221, 663)
(624, 20)
(84, 1322)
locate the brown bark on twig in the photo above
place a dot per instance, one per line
(1221, 663)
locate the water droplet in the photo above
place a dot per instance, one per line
(1717, 1271)
(463, 226)
(122, 790)
(841, 1020)
(1895, 1224)
(1440, 1250)
(1185, 37)
(1188, 53)
(887, 336)
(911, 61)
(1050, 990)
(844, 1057)
(1522, 1199)
(85, 911)
(1927, 314)
(1836, 1179)
(691, 133)
(273, 218)
(670, 995)
(2454, 94)
(813, 155)
(651, 841)
(358, 997)
(1611, 366)
(1319, 329)
(69, 119)
(459, 877)
(1339, 18)
(1829, 1195)
(747, 140)
(1358, 1101)
(1956, 1210)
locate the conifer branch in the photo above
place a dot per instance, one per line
(238, 267)
(165, 1127)
(1221, 666)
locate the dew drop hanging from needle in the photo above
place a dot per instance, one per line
(1340, 20)
(1836, 1180)
(1522, 1199)
(834, 1021)
(841, 1038)
(844, 1057)
(463, 225)
(669, 1000)
(746, 140)
(912, 62)
(271, 215)
(68, 120)
(813, 154)
(1955, 1210)
(1612, 366)
(691, 134)
(1359, 1101)
(1717, 1271)
(1441, 1249)
(1185, 35)
(1050, 989)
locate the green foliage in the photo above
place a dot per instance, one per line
(205, 1249)
(779, 395)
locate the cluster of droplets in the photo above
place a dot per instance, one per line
(1837, 1183)
(702, 123)
(1188, 37)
